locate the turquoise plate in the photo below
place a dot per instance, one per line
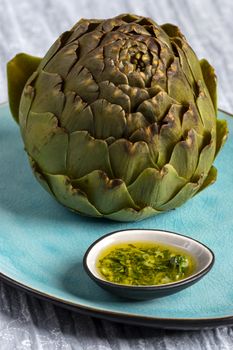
(42, 245)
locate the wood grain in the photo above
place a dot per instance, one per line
(32, 26)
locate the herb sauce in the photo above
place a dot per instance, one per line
(140, 263)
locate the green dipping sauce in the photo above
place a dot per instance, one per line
(140, 263)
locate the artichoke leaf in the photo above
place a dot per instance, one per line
(159, 78)
(192, 120)
(86, 154)
(89, 42)
(114, 95)
(135, 121)
(136, 95)
(185, 155)
(209, 180)
(49, 95)
(130, 215)
(129, 159)
(156, 108)
(112, 73)
(27, 98)
(69, 196)
(108, 119)
(46, 143)
(39, 176)
(178, 86)
(150, 135)
(81, 81)
(113, 49)
(19, 69)
(129, 17)
(154, 188)
(52, 157)
(192, 61)
(94, 62)
(83, 26)
(172, 30)
(57, 45)
(206, 158)
(136, 79)
(197, 72)
(184, 63)
(210, 81)
(133, 28)
(62, 62)
(109, 24)
(205, 107)
(170, 134)
(222, 133)
(188, 191)
(76, 116)
(107, 195)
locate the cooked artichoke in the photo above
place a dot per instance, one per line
(119, 119)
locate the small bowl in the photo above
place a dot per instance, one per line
(203, 256)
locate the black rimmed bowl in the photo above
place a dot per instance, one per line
(203, 256)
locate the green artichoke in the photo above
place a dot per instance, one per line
(119, 119)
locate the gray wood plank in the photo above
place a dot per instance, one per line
(32, 26)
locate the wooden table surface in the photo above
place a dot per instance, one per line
(32, 26)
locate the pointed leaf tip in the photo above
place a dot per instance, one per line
(210, 80)
(19, 69)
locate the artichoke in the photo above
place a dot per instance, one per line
(119, 119)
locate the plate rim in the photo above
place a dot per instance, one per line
(133, 319)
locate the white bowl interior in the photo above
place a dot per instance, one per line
(201, 254)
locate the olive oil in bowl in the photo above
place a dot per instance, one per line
(145, 264)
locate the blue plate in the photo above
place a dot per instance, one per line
(42, 244)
